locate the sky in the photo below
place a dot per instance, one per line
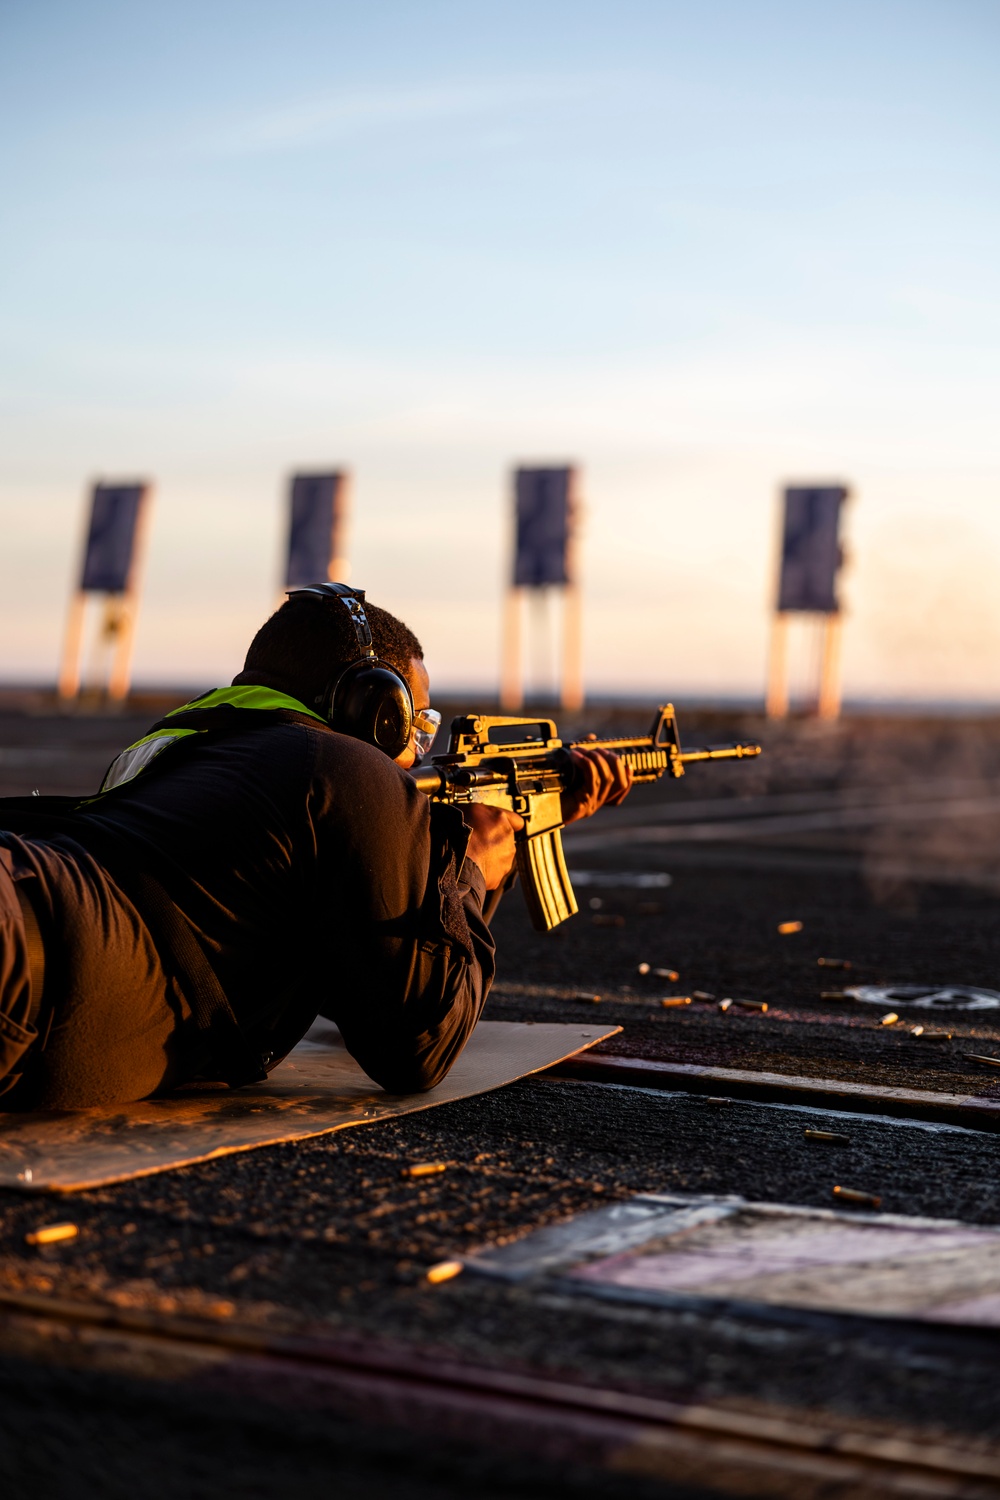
(699, 250)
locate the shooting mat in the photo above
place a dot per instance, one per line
(317, 1089)
(662, 1249)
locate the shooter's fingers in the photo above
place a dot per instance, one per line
(491, 840)
(622, 779)
(614, 777)
(580, 799)
(605, 774)
(591, 777)
(588, 783)
(599, 777)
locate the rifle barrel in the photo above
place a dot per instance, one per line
(739, 751)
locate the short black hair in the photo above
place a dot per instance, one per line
(305, 641)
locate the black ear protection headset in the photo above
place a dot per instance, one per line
(367, 699)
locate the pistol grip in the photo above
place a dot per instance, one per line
(545, 880)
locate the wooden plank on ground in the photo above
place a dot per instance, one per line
(973, 1110)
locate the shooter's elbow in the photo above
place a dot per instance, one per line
(413, 1075)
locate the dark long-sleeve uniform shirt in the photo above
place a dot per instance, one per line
(317, 880)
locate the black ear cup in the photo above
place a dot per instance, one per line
(370, 702)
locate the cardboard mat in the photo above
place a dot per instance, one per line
(658, 1249)
(318, 1088)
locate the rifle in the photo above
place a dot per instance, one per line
(522, 766)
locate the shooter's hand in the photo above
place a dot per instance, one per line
(601, 778)
(491, 842)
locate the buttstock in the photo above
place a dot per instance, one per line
(545, 880)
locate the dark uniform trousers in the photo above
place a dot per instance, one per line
(19, 997)
(102, 1026)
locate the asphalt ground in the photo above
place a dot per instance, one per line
(328, 1233)
(718, 930)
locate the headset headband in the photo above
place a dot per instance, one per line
(353, 601)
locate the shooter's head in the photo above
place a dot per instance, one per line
(310, 649)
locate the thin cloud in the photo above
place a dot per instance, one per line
(345, 115)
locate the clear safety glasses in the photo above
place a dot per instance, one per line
(426, 723)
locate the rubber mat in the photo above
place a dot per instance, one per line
(318, 1088)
